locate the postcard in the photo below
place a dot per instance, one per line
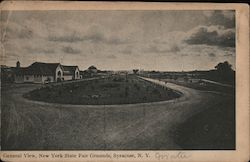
(102, 81)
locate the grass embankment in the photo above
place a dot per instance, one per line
(106, 91)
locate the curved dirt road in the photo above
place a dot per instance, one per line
(35, 125)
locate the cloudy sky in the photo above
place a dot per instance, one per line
(119, 40)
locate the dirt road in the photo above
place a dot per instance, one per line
(28, 125)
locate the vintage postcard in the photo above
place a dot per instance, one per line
(89, 81)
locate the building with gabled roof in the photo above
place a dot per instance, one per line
(39, 72)
(70, 72)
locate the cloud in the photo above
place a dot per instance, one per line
(111, 57)
(211, 55)
(161, 49)
(212, 35)
(67, 38)
(115, 41)
(158, 41)
(25, 33)
(155, 49)
(174, 48)
(96, 37)
(37, 50)
(224, 18)
(229, 52)
(15, 31)
(127, 50)
(99, 37)
(70, 50)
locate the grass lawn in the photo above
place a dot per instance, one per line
(107, 91)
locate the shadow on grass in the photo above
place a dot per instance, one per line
(213, 128)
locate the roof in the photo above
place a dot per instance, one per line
(39, 68)
(69, 70)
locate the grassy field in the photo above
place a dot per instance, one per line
(105, 91)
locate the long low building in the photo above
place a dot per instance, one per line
(40, 72)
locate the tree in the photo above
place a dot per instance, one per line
(224, 67)
(135, 71)
(225, 72)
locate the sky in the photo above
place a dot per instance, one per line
(119, 40)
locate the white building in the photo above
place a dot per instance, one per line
(70, 72)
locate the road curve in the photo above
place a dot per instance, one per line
(31, 125)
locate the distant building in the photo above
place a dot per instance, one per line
(7, 74)
(70, 72)
(85, 74)
(39, 72)
(92, 69)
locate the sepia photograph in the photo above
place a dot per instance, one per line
(118, 80)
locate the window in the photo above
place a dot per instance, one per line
(59, 73)
(27, 78)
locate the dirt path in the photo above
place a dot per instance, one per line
(36, 125)
(217, 83)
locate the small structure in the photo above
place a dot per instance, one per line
(90, 72)
(70, 72)
(85, 74)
